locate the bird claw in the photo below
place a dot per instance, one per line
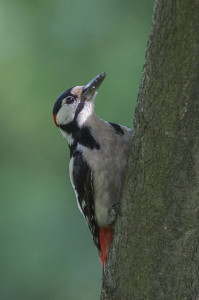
(113, 212)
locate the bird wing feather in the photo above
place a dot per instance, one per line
(83, 185)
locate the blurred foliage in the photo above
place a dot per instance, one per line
(46, 47)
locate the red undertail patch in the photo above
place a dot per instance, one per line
(105, 239)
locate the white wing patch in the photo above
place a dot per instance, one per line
(71, 179)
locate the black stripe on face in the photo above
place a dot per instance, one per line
(79, 109)
(82, 135)
(117, 128)
(73, 127)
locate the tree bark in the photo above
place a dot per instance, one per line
(155, 251)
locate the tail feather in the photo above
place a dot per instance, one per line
(105, 239)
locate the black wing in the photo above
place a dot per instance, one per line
(83, 184)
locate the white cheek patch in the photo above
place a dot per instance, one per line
(65, 115)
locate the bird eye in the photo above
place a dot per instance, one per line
(70, 100)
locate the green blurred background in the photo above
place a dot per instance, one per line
(46, 251)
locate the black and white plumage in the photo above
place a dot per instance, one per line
(82, 181)
(98, 156)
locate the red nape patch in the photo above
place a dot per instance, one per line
(54, 118)
(105, 239)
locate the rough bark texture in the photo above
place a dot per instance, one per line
(155, 252)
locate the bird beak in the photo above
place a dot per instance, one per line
(90, 89)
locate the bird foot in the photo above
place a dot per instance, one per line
(113, 212)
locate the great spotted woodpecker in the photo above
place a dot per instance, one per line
(98, 156)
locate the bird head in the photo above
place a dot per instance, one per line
(76, 102)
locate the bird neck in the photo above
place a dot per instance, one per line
(85, 113)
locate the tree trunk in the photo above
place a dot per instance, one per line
(155, 252)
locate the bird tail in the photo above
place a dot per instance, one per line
(105, 239)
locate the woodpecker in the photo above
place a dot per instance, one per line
(98, 156)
